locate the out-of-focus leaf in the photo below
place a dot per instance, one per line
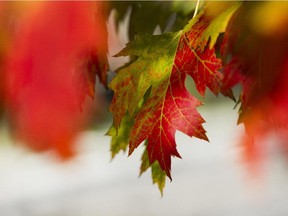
(258, 51)
(43, 60)
(185, 8)
(146, 15)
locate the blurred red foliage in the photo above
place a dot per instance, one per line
(259, 54)
(46, 71)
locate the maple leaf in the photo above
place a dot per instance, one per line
(170, 106)
(91, 64)
(205, 68)
(201, 30)
(231, 77)
(160, 67)
(133, 81)
(42, 63)
(255, 55)
(210, 22)
(120, 137)
(157, 174)
(93, 61)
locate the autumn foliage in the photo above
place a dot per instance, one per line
(52, 52)
(47, 71)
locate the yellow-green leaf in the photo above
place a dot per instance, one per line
(120, 137)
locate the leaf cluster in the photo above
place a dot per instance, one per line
(150, 93)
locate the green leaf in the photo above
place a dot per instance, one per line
(184, 7)
(145, 165)
(156, 77)
(219, 24)
(210, 23)
(120, 137)
(157, 174)
(146, 15)
(154, 63)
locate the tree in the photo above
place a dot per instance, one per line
(52, 52)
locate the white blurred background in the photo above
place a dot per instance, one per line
(210, 180)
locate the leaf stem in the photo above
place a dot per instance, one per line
(196, 8)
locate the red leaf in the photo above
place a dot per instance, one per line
(162, 64)
(231, 77)
(41, 68)
(171, 107)
(204, 70)
(203, 65)
(259, 55)
(175, 110)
